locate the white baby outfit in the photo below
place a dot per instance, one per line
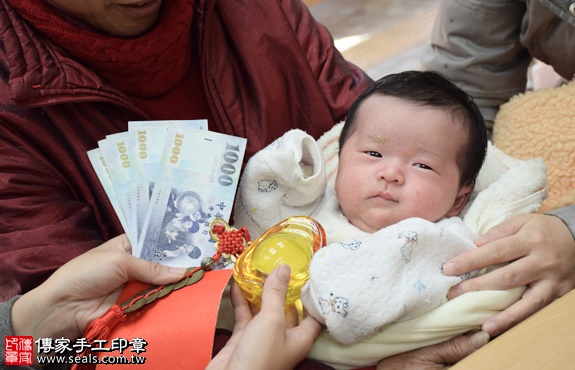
(363, 285)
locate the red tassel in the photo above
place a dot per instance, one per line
(100, 329)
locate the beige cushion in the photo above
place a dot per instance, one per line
(542, 124)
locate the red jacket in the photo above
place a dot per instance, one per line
(286, 75)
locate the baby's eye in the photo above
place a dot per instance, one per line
(424, 166)
(373, 154)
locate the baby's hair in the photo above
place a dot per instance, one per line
(430, 88)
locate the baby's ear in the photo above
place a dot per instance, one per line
(460, 200)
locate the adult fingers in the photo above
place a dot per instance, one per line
(309, 328)
(503, 229)
(120, 243)
(457, 348)
(137, 268)
(242, 311)
(497, 245)
(301, 338)
(275, 289)
(291, 315)
(438, 356)
(496, 251)
(149, 272)
(107, 267)
(536, 296)
(513, 275)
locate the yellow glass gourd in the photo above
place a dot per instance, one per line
(292, 242)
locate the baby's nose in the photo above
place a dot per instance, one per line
(391, 172)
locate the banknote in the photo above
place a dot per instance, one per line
(146, 140)
(117, 154)
(99, 165)
(197, 181)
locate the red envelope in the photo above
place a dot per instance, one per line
(178, 328)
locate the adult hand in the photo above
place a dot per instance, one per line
(540, 251)
(267, 340)
(84, 289)
(438, 356)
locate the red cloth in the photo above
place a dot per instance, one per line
(163, 80)
(186, 100)
(147, 65)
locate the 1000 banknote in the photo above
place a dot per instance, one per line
(196, 183)
(147, 139)
(117, 154)
(101, 168)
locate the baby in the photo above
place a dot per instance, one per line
(409, 153)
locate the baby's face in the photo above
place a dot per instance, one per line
(400, 162)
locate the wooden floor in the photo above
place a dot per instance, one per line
(380, 36)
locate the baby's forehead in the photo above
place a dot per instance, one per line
(406, 144)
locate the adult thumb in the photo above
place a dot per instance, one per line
(152, 273)
(275, 288)
(457, 348)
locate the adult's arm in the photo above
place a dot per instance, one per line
(567, 214)
(340, 80)
(476, 43)
(6, 329)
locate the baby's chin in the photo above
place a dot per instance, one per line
(374, 224)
